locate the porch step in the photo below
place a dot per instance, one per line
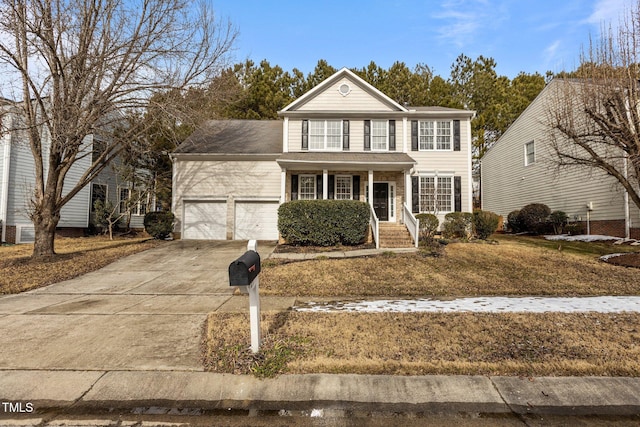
(395, 236)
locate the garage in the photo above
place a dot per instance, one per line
(205, 220)
(256, 220)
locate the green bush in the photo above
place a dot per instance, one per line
(323, 222)
(485, 223)
(428, 226)
(534, 217)
(159, 224)
(513, 222)
(457, 225)
(558, 220)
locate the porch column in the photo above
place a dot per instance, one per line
(325, 184)
(283, 185)
(370, 184)
(408, 190)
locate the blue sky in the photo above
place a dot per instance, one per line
(521, 35)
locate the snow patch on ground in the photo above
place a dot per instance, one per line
(608, 256)
(589, 238)
(604, 304)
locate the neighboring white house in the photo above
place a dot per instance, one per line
(521, 169)
(344, 139)
(17, 182)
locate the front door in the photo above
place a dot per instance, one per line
(381, 200)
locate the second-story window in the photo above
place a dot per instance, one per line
(325, 134)
(379, 135)
(435, 135)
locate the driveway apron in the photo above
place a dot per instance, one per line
(143, 312)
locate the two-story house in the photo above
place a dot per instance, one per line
(344, 139)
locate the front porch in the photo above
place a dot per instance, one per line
(381, 180)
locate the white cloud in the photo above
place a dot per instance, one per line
(462, 20)
(607, 11)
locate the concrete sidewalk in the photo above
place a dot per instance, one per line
(129, 336)
(88, 391)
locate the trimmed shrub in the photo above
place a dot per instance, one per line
(457, 225)
(323, 222)
(534, 217)
(558, 220)
(428, 226)
(513, 222)
(485, 223)
(159, 224)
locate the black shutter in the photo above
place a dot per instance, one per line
(305, 134)
(367, 135)
(392, 135)
(456, 135)
(356, 187)
(332, 185)
(414, 135)
(318, 187)
(294, 187)
(415, 195)
(345, 135)
(457, 193)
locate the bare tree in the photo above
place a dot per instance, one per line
(594, 116)
(82, 66)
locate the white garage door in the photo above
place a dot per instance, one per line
(205, 220)
(256, 220)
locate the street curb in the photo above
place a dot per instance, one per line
(86, 391)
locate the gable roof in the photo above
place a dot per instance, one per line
(235, 137)
(342, 73)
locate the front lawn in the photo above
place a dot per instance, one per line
(75, 256)
(516, 266)
(440, 343)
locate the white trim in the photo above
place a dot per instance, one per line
(285, 135)
(325, 184)
(283, 185)
(4, 191)
(470, 171)
(404, 134)
(324, 146)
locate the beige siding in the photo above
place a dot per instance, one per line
(357, 100)
(449, 163)
(507, 184)
(224, 180)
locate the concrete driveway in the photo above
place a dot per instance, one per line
(143, 312)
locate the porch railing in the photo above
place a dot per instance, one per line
(375, 227)
(412, 223)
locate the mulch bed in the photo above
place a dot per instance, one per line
(283, 248)
(626, 260)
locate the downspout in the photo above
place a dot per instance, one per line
(4, 192)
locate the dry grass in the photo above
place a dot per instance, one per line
(427, 343)
(75, 256)
(515, 266)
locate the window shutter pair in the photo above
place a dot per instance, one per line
(345, 135)
(415, 195)
(414, 135)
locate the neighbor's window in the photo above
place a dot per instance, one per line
(435, 135)
(325, 134)
(379, 134)
(98, 192)
(436, 194)
(307, 187)
(343, 188)
(529, 153)
(123, 201)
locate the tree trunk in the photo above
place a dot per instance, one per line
(45, 220)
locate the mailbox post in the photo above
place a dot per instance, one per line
(244, 272)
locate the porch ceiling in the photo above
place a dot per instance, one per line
(346, 161)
